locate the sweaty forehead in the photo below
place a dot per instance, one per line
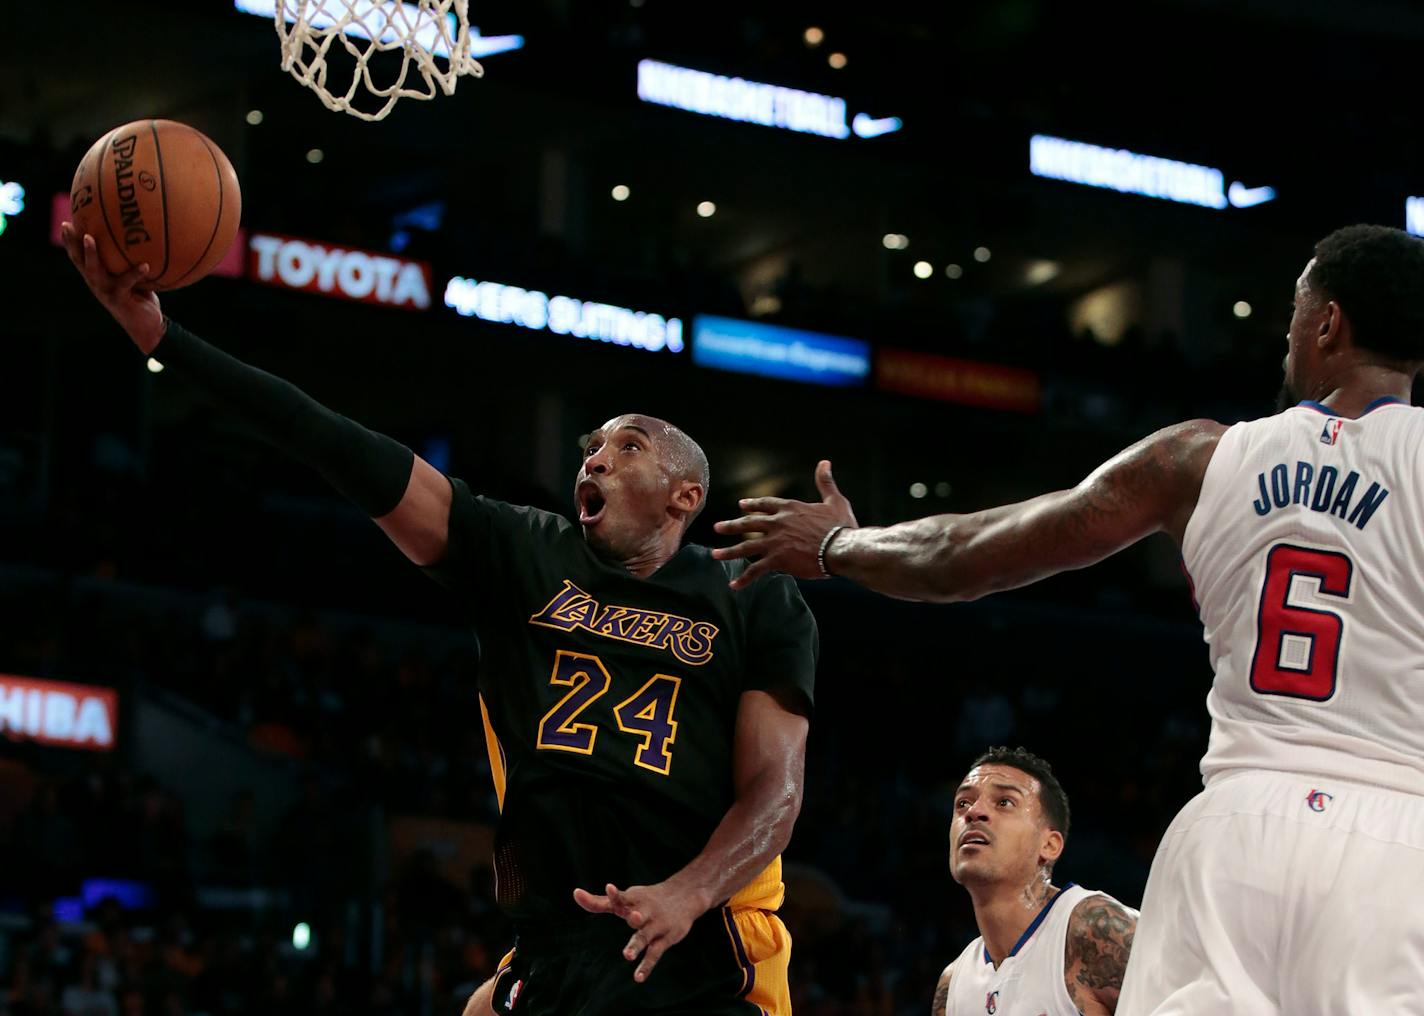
(649, 425)
(999, 775)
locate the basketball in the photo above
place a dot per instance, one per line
(161, 193)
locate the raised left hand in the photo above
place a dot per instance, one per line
(660, 916)
(790, 531)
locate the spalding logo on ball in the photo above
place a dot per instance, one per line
(160, 193)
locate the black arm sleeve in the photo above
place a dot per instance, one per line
(369, 468)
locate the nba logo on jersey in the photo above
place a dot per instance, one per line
(991, 1003)
(1331, 432)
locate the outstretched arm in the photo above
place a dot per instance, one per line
(1099, 943)
(768, 774)
(1150, 487)
(408, 498)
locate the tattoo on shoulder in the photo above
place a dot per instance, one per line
(1099, 941)
(940, 1005)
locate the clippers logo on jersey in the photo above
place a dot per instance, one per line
(572, 608)
(1316, 800)
(991, 1003)
(1331, 432)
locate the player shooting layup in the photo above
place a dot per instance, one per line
(646, 725)
(1289, 884)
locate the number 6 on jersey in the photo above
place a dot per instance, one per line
(1298, 647)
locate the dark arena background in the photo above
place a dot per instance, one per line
(242, 767)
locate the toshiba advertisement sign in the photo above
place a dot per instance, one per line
(58, 713)
(342, 272)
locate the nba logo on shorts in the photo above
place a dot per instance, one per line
(1316, 800)
(513, 996)
(991, 1003)
(1331, 433)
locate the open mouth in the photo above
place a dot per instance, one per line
(973, 839)
(591, 503)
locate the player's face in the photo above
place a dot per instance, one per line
(998, 833)
(623, 489)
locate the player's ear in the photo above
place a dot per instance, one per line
(687, 496)
(1051, 847)
(1332, 324)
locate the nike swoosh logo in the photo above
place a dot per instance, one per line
(1242, 196)
(868, 127)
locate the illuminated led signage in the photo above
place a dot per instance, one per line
(1414, 215)
(790, 109)
(1120, 170)
(563, 315)
(772, 351)
(348, 274)
(428, 37)
(929, 376)
(12, 201)
(58, 713)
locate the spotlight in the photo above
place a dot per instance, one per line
(953, 271)
(837, 61)
(707, 209)
(923, 269)
(315, 155)
(1242, 309)
(254, 117)
(621, 192)
(895, 241)
(918, 490)
(982, 254)
(814, 36)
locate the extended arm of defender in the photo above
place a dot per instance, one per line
(1148, 488)
(409, 499)
(768, 775)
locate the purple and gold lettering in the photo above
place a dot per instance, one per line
(572, 609)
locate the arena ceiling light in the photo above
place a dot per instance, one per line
(1131, 173)
(665, 84)
(480, 46)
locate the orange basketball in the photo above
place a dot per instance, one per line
(161, 193)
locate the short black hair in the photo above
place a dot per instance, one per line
(1376, 274)
(1051, 796)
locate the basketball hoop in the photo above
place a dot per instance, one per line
(424, 31)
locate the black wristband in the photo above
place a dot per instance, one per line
(369, 468)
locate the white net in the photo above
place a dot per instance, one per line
(426, 33)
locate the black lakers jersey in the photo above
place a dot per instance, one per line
(610, 701)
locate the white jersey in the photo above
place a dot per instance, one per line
(1306, 554)
(1030, 980)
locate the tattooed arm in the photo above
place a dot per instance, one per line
(940, 1005)
(1099, 941)
(1149, 488)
